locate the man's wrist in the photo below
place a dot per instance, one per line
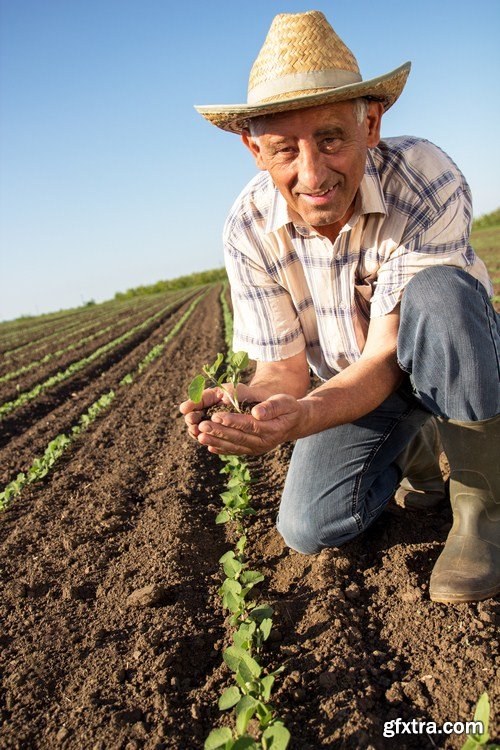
(306, 421)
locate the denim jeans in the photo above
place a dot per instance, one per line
(340, 479)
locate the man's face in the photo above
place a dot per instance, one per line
(316, 158)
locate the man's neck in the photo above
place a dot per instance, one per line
(332, 231)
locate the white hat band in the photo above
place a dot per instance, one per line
(314, 79)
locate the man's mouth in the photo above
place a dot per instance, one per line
(319, 199)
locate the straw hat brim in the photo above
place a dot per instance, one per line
(233, 117)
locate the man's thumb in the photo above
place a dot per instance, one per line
(273, 407)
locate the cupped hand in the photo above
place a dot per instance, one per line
(276, 420)
(194, 411)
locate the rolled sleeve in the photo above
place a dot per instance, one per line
(266, 324)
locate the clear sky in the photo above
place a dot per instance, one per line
(110, 179)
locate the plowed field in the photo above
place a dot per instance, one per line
(88, 661)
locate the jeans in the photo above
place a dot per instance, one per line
(340, 480)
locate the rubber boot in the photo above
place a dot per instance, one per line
(422, 486)
(468, 568)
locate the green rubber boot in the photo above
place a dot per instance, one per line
(422, 486)
(468, 569)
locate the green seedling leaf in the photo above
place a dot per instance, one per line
(230, 585)
(482, 714)
(245, 743)
(243, 635)
(229, 698)
(240, 544)
(266, 627)
(267, 685)
(219, 360)
(233, 603)
(196, 387)
(276, 737)
(251, 577)
(222, 517)
(229, 555)
(232, 568)
(264, 714)
(262, 612)
(245, 675)
(244, 712)
(235, 482)
(218, 738)
(239, 360)
(234, 655)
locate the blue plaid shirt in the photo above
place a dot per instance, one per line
(292, 288)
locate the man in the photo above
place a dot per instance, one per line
(350, 255)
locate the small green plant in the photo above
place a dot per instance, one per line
(482, 714)
(212, 374)
(250, 620)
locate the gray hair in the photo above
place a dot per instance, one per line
(360, 106)
(360, 109)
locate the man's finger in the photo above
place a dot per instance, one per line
(230, 434)
(210, 396)
(274, 406)
(225, 446)
(242, 422)
(194, 417)
(193, 431)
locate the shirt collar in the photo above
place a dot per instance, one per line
(370, 199)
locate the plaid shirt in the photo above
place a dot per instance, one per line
(292, 288)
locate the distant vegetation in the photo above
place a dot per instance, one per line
(487, 220)
(181, 282)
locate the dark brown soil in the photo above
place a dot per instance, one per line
(27, 431)
(112, 628)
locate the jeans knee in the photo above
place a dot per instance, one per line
(298, 533)
(438, 287)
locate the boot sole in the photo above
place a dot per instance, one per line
(477, 596)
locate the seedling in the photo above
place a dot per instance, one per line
(482, 714)
(234, 366)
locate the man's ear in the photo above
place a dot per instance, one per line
(252, 144)
(374, 121)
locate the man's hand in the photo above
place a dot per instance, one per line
(194, 412)
(274, 421)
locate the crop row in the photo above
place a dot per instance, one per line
(43, 464)
(59, 377)
(77, 323)
(60, 352)
(12, 329)
(250, 621)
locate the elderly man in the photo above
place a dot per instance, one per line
(349, 255)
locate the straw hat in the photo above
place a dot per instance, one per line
(303, 63)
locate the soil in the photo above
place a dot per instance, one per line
(113, 630)
(55, 339)
(27, 431)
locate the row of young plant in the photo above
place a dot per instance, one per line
(69, 348)
(79, 322)
(59, 377)
(43, 464)
(256, 725)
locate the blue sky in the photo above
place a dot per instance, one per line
(110, 179)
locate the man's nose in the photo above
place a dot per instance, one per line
(312, 173)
